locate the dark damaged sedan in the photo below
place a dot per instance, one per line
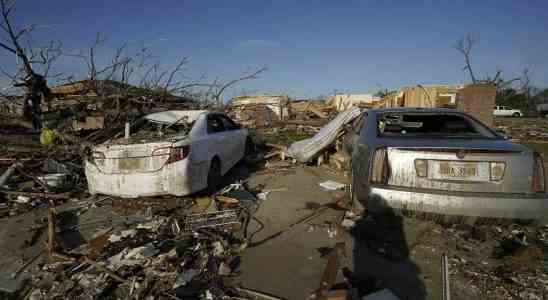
(442, 161)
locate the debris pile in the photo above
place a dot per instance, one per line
(523, 129)
(83, 107)
(149, 261)
(176, 254)
(36, 181)
(504, 262)
(259, 111)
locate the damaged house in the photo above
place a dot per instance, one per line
(259, 110)
(477, 100)
(342, 102)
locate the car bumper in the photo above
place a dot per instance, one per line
(496, 205)
(172, 179)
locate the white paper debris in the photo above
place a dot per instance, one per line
(331, 185)
(263, 196)
(22, 199)
(347, 223)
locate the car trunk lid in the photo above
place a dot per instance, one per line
(468, 167)
(131, 158)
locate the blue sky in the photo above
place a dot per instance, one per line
(310, 47)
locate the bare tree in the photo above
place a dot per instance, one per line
(220, 88)
(464, 46)
(118, 66)
(18, 42)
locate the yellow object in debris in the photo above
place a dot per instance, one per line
(47, 137)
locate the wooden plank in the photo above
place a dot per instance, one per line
(330, 272)
(276, 146)
(39, 195)
(317, 112)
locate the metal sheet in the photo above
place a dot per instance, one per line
(307, 149)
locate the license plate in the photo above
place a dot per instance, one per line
(456, 170)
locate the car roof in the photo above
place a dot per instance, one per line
(414, 109)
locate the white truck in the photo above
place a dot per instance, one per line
(543, 109)
(505, 111)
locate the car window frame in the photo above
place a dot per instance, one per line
(230, 121)
(464, 116)
(208, 128)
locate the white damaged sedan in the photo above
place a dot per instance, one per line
(167, 153)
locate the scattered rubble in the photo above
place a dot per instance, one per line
(179, 256)
(180, 248)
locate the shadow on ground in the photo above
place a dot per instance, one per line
(380, 257)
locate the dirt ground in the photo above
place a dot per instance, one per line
(290, 265)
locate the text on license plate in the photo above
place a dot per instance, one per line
(455, 170)
(461, 171)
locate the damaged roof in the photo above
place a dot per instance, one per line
(172, 116)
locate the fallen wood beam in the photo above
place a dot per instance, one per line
(316, 123)
(256, 294)
(7, 174)
(276, 146)
(39, 195)
(34, 178)
(26, 264)
(12, 160)
(330, 272)
(270, 155)
(110, 273)
(51, 233)
(227, 200)
(317, 112)
(16, 122)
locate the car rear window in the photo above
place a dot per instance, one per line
(146, 130)
(431, 125)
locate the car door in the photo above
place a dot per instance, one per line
(219, 139)
(237, 139)
(506, 111)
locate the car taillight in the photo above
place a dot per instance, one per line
(496, 170)
(538, 174)
(380, 168)
(421, 167)
(175, 153)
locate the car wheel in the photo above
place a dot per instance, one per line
(516, 115)
(214, 176)
(357, 206)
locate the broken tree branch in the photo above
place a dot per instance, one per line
(253, 75)
(464, 46)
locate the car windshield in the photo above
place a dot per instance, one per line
(431, 125)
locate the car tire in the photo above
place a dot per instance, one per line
(356, 206)
(214, 176)
(516, 115)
